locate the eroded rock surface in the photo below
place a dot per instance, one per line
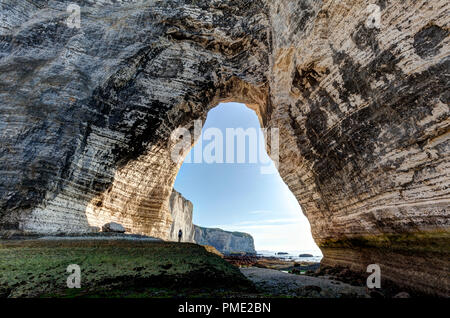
(89, 112)
(181, 210)
(113, 227)
(363, 115)
(224, 241)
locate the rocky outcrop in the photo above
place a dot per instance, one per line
(87, 141)
(360, 101)
(224, 241)
(181, 211)
(364, 119)
(113, 227)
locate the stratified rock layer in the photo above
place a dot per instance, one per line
(363, 116)
(364, 119)
(181, 211)
(224, 241)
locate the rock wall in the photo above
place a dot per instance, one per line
(362, 111)
(88, 112)
(181, 211)
(364, 119)
(224, 241)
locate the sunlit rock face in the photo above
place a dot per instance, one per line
(89, 112)
(364, 117)
(224, 241)
(362, 111)
(181, 210)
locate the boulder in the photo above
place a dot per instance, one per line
(113, 227)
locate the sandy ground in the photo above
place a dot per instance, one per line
(276, 282)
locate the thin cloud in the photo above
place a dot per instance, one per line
(278, 237)
(261, 212)
(280, 221)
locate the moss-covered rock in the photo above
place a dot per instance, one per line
(37, 268)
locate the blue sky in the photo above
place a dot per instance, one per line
(238, 197)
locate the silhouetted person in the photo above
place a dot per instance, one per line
(180, 234)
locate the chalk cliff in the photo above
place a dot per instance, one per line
(181, 211)
(224, 241)
(361, 106)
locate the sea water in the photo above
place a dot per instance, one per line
(293, 255)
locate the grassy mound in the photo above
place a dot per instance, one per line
(116, 269)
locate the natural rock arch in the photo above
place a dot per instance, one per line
(362, 112)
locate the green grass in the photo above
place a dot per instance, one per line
(116, 269)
